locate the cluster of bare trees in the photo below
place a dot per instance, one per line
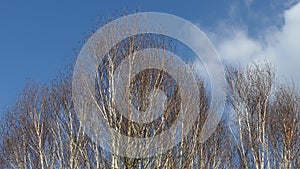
(259, 129)
(265, 131)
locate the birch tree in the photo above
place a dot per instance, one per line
(249, 94)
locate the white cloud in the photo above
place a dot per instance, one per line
(281, 47)
(239, 48)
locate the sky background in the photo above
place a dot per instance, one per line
(39, 39)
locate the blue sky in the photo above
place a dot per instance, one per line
(38, 39)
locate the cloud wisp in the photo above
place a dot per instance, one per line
(281, 47)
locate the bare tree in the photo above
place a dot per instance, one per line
(284, 127)
(249, 95)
